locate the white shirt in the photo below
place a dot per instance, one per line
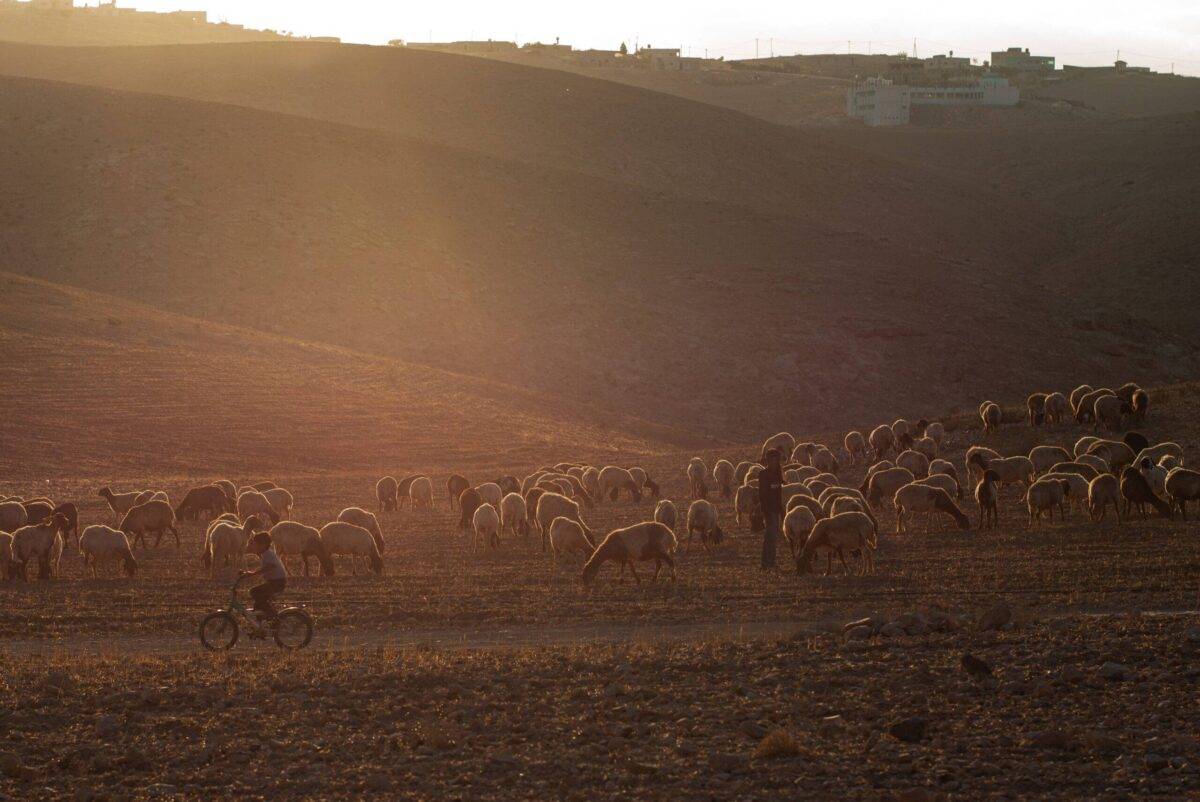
(272, 566)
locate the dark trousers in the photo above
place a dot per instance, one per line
(772, 531)
(262, 595)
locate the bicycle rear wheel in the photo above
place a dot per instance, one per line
(219, 631)
(293, 629)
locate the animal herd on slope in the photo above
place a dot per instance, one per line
(824, 515)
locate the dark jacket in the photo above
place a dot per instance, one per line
(770, 490)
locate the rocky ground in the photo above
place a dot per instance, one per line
(995, 705)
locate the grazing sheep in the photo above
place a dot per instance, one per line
(264, 486)
(926, 446)
(37, 511)
(1044, 495)
(971, 452)
(739, 473)
(936, 431)
(153, 517)
(1079, 487)
(746, 504)
(1155, 475)
(1126, 391)
(991, 415)
(509, 484)
(567, 537)
(1139, 406)
(198, 502)
(987, 496)
(404, 490)
(946, 468)
(696, 471)
(1085, 411)
(702, 518)
(385, 493)
(1102, 491)
(455, 485)
(229, 489)
(783, 442)
(341, 538)
(797, 525)
(280, 500)
(43, 542)
(666, 514)
(901, 428)
(1078, 393)
(591, 481)
(295, 539)
(513, 515)
(1098, 464)
(531, 500)
(614, 479)
(420, 493)
(491, 493)
(1088, 472)
(856, 446)
(1156, 453)
(847, 532)
(1036, 405)
(808, 502)
(1056, 408)
(1170, 461)
(915, 497)
(486, 525)
(848, 504)
(254, 502)
(641, 542)
(882, 440)
(152, 495)
(1182, 486)
(1115, 453)
(916, 463)
(1137, 491)
(555, 505)
(100, 543)
(943, 481)
(225, 544)
(577, 490)
(1009, 470)
(119, 503)
(752, 474)
(1136, 441)
(366, 520)
(723, 475)
(12, 516)
(823, 460)
(884, 484)
(1045, 457)
(1083, 444)
(1107, 412)
(802, 454)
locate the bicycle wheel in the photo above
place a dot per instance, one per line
(219, 631)
(293, 629)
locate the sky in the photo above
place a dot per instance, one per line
(1151, 33)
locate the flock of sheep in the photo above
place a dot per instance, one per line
(825, 516)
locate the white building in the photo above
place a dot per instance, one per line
(877, 101)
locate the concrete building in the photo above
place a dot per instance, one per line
(469, 48)
(878, 101)
(1118, 68)
(599, 58)
(659, 58)
(1016, 60)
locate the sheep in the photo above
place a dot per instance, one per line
(797, 525)
(1088, 472)
(1036, 405)
(702, 518)
(486, 525)
(455, 485)
(1056, 408)
(783, 442)
(513, 515)
(264, 486)
(151, 495)
(901, 428)
(1083, 444)
(1136, 490)
(531, 500)
(1155, 475)
(1044, 457)
(1182, 486)
(746, 503)
(1138, 406)
(1107, 411)
(37, 511)
(802, 454)
(1078, 393)
(509, 484)
(666, 514)
(353, 541)
(1115, 453)
(385, 493)
(1170, 461)
(228, 488)
(491, 493)
(155, 517)
(253, 502)
(971, 452)
(849, 531)
(280, 500)
(941, 467)
(1136, 441)
(1009, 470)
(209, 500)
(823, 460)
(916, 462)
(365, 520)
(808, 502)
(576, 489)
(856, 446)
(1156, 453)
(847, 504)
(641, 542)
(469, 501)
(591, 482)
(936, 431)
(225, 543)
(881, 440)
(987, 494)
(295, 539)
(614, 479)
(695, 471)
(926, 446)
(792, 475)
(1085, 411)
(1102, 491)
(119, 503)
(1098, 464)
(739, 473)
(884, 484)
(991, 415)
(568, 537)
(1043, 496)
(100, 543)
(943, 481)
(12, 516)
(420, 493)
(404, 490)
(554, 505)
(752, 474)
(1125, 392)
(723, 474)
(1079, 487)
(43, 542)
(915, 497)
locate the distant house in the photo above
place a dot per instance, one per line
(556, 50)
(597, 58)
(878, 101)
(1118, 68)
(1016, 60)
(660, 58)
(468, 47)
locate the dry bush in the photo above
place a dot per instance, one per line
(778, 744)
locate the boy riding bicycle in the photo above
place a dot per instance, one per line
(275, 580)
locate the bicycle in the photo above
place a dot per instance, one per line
(292, 627)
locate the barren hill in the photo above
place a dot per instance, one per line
(637, 253)
(108, 26)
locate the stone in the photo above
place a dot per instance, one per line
(869, 623)
(1193, 634)
(1155, 762)
(1071, 674)
(10, 765)
(752, 729)
(161, 789)
(1114, 671)
(1051, 739)
(909, 730)
(107, 725)
(995, 618)
(858, 633)
(1101, 743)
(726, 763)
(832, 725)
(378, 781)
(892, 630)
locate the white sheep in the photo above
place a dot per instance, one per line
(154, 517)
(638, 543)
(936, 431)
(225, 544)
(1156, 453)
(43, 542)
(420, 494)
(252, 502)
(797, 525)
(666, 514)
(614, 479)
(491, 493)
(1056, 408)
(856, 446)
(882, 440)
(1182, 485)
(1102, 491)
(723, 475)
(1044, 495)
(696, 471)
(365, 519)
(847, 532)
(1079, 487)
(916, 463)
(991, 415)
(514, 514)
(12, 516)
(783, 442)
(281, 501)
(883, 484)
(1046, 457)
(119, 503)
(567, 537)
(1098, 464)
(591, 481)
(341, 538)
(745, 504)
(1106, 411)
(554, 505)
(914, 498)
(702, 518)
(486, 525)
(385, 493)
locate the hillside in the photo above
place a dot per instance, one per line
(1128, 94)
(90, 26)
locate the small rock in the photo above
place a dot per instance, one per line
(974, 666)
(832, 725)
(1114, 671)
(859, 633)
(107, 726)
(869, 623)
(10, 765)
(909, 730)
(1071, 674)
(752, 729)
(378, 781)
(1193, 634)
(686, 748)
(161, 789)
(1101, 744)
(1051, 739)
(725, 763)
(995, 618)
(892, 630)
(1156, 762)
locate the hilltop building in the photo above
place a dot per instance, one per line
(879, 101)
(1016, 60)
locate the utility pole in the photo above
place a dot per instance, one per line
(847, 47)
(772, 46)
(914, 47)
(756, 47)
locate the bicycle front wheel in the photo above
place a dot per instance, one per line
(293, 629)
(219, 631)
